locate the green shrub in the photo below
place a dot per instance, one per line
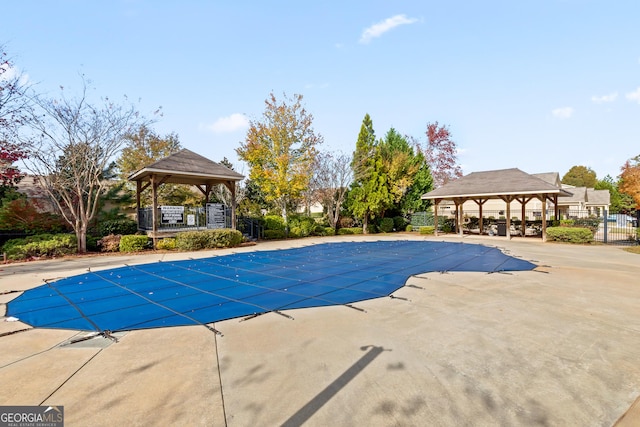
(117, 226)
(329, 231)
(427, 229)
(208, 239)
(409, 228)
(590, 223)
(301, 226)
(566, 223)
(167, 244)
(134, 243)
(110, 243)
(273, 222)
(349, 230)
(399, 223)
(570, 234)
(40, 245)
(191, 240)
(447, 225)
(386, 225)
(371, 229)
(274, 234)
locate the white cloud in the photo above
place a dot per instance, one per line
(232, 123)
(562, 113)
(634, 96)
(376, 30)
(605, 98)
(8, 72)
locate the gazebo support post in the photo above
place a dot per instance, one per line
(544, 218)
(154, 212)
(509, 218)
(460, 217)
(435, 217)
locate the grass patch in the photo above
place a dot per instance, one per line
(633, 249)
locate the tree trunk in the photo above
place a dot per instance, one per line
(365, 224)
(81, 237)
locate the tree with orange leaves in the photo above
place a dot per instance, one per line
(630, 179)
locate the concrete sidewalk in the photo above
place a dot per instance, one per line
(555, 346)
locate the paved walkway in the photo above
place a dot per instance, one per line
(555, 346)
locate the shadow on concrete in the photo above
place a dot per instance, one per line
(307, 411)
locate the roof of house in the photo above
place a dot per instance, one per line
(578, 194)
(187, 167)
(552, 178)
(598, 197)
(496, 183)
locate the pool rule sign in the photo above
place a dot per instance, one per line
(216, 216)
(172, 214)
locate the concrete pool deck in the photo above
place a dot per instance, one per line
(555, 346)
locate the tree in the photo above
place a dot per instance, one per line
(75, 142)
(222, 194)
(422, 183)
(630, 179)
(400, 164)
(580, 176)
(280, 150)
(14, 107)
(369, 192)
(619, 202)
(441, 154)
(331, 179)
(143, 147)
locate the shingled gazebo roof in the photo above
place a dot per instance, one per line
(495, 185)
(187, 167)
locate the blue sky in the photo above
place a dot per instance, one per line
(538, 85)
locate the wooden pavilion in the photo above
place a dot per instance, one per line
(184, 167)
(508, 185)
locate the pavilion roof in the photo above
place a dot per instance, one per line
(187, 167)
(497, 183)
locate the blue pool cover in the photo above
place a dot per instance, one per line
(201, 291)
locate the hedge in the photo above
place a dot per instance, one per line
(167, 243)
(570, 234)
(274, 234)
(409, 228)
(40, 245)
(208, 239)
(134, 243)
(427, 229)
(350, 230)
(117, 226)
(386, 225)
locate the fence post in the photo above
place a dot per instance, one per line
(606, 225)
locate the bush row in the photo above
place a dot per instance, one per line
(208, 239)
(570, 234)
(40, 245)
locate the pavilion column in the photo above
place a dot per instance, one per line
(523, 223)
(154, 212)
(509, 218)
(232, 187)
(544, 218)
(461, 219)
(435, 216)
(138, 191)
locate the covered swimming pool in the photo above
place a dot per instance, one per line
(209, 290)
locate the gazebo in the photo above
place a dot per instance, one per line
(507, 184)
(184, 167)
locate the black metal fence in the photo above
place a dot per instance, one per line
(185, 218)
(613, 229)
